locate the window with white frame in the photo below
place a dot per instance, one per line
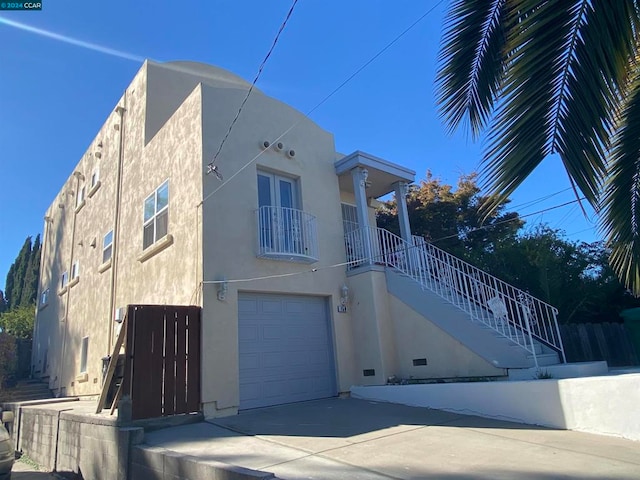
(44, 297)
(64, 279)
(156, 215)
(80, 196)
(75, 270)
(83, 355)
(107, 246)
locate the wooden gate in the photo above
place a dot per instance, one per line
(162, 365)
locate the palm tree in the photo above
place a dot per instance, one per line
(557, 76)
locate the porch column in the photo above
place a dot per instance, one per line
(403, 213)
(359, 176)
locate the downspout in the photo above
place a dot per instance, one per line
(116, 227)
(78, 176)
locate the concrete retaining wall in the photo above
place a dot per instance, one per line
(605, 405)
(96, 449)
(38, 435)
(71, 443)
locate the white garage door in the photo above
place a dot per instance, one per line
(286, 352)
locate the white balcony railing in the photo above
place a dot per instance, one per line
(512, 312)
(287, 234)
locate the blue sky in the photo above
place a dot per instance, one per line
(55, 95)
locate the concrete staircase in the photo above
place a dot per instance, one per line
(498, 346)
(26, 390)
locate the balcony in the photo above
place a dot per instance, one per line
(287, 234)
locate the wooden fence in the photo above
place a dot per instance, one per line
(162, 366)
(584, 342)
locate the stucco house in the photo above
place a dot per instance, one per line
(301, 295)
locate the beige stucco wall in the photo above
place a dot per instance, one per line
(168, 277)
(372, 326)
(82, 308)
(230, 230)
(417, 337)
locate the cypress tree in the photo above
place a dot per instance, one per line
(17, 273)
(30, 283)
(9, 285)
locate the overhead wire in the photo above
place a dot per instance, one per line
(327, 97)
(535, 201)
(491, 225)
(255, 80)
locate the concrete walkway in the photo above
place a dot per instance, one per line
(357, 439)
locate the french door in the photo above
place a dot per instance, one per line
(278, 204)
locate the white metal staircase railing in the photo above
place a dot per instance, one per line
(511, 312)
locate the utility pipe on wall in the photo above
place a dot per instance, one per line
(116, 226)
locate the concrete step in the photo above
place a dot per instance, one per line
(561, 370)
(545, 359)
(26, 390)
(30, 387)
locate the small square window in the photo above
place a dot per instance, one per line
(107, 246)
(44, 298)
(64, 279)
(84, 354)
(80, 197)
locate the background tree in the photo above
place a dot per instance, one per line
(452, 217)
(18, 322)
(17, 309)
(3, 303)
(21, 286)
(548, 77)
(575, 277)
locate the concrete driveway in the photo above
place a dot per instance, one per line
(358, 439)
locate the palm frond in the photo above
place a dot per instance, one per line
(471, 63)
(621, 200)
(565, 69)
(521, 134)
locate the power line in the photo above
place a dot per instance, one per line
(510, 219)
(324, 100)
(375, 57)
(255, 80)
(535, 201)
(581, 231)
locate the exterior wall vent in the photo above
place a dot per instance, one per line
(419, 362)
(369, 372)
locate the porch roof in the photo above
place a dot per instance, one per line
(382, 173)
